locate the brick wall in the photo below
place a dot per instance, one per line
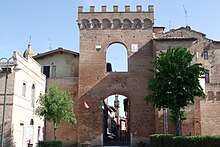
(67, 132)
(95, 84)
(103, 29)
(210, 120)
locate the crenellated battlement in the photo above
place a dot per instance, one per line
(126, 20)
(115, 9)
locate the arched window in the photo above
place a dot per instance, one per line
(211, 96)
(24, 89)
(127, 24)
(85, 24)
(137, 23)
(148, 23)
(33, 95)
(96, 24)
(117, 58)
(106, 24)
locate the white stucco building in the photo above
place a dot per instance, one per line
(24, 87)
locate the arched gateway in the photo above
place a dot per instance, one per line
(98, 30)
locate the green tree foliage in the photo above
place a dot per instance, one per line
(176, 82)
(54, 106)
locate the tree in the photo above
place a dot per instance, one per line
(176, 82)
(54, 106)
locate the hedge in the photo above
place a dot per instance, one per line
(50, 144)
(159, 140)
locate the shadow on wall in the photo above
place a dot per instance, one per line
(131, 84)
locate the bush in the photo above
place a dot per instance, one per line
(159, 140)
(184, 141)
(50, 144)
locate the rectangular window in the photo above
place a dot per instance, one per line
(53, 71)
(46, 71)
(207, 77)
(24, 89)
(38, 133)
(206, 55)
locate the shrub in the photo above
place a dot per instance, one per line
(50, 144)
(158, 140)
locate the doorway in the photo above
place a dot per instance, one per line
(21, 135)
(116, 120)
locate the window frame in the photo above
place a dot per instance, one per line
(206, 55)
(46, 68)
(207, 77)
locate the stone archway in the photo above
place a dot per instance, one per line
(116, 120)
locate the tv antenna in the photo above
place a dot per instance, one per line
(50, 47)
(169, 24)
(186, 15)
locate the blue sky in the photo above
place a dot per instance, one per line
(54, 21)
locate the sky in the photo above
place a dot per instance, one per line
(52, 23)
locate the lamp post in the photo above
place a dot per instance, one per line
(7, 67)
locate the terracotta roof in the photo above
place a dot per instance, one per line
(55, 51)
(184, 28)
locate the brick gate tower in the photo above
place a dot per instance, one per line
(98, 30)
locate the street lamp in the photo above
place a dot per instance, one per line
(7, 66)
